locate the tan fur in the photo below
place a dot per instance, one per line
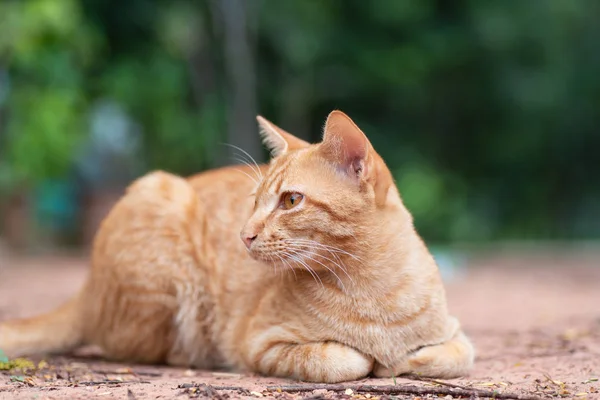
(333, 289)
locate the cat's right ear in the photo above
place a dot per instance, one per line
(276, 139)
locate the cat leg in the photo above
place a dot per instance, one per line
(328, 362)
(451, 359)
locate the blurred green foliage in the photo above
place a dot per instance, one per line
(486, 112)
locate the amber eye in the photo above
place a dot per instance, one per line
(291, 200)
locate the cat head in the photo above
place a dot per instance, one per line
(317, 201)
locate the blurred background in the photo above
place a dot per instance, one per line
(488, 113)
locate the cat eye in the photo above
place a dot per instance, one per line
(291, 200)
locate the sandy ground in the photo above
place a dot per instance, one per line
(535, 321)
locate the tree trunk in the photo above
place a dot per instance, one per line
(236, 18)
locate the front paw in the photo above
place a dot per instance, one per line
(315, 362)
(351, 365)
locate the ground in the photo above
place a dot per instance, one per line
(534, 319)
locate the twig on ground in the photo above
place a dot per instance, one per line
(197, 385)
(107, 382)
(128, 372)
(415, 390)
(448, 384)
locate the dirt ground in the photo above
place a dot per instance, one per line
(534, 319)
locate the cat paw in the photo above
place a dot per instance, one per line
(345, 364)
(315, 362)
(451, 359)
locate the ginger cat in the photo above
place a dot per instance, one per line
(329, 283)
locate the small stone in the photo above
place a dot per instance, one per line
(349, 392)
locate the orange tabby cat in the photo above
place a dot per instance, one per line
(329, 283)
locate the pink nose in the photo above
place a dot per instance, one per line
(248, 240)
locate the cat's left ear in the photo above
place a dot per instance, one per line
(347, 146)
(276, 139)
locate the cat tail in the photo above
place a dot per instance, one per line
(58, 331)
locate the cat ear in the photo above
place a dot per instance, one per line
(345, 144)
(276, 139)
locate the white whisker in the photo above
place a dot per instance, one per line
(339, 264)
(334, 251)
(325, 246)
(315, 245)
(280, 273)
(294, 257)
(247, 163)
(308, 255)
(288, 266)
(255, 167)
(249, 176)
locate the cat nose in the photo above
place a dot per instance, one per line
(248, 240)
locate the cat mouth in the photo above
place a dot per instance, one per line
(280, 258)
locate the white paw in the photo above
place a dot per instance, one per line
(341, 364)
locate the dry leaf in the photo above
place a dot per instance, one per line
(30, 381)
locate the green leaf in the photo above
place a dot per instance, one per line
(3, 357)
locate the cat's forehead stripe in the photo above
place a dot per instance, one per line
(278, 175)
(284, 165)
